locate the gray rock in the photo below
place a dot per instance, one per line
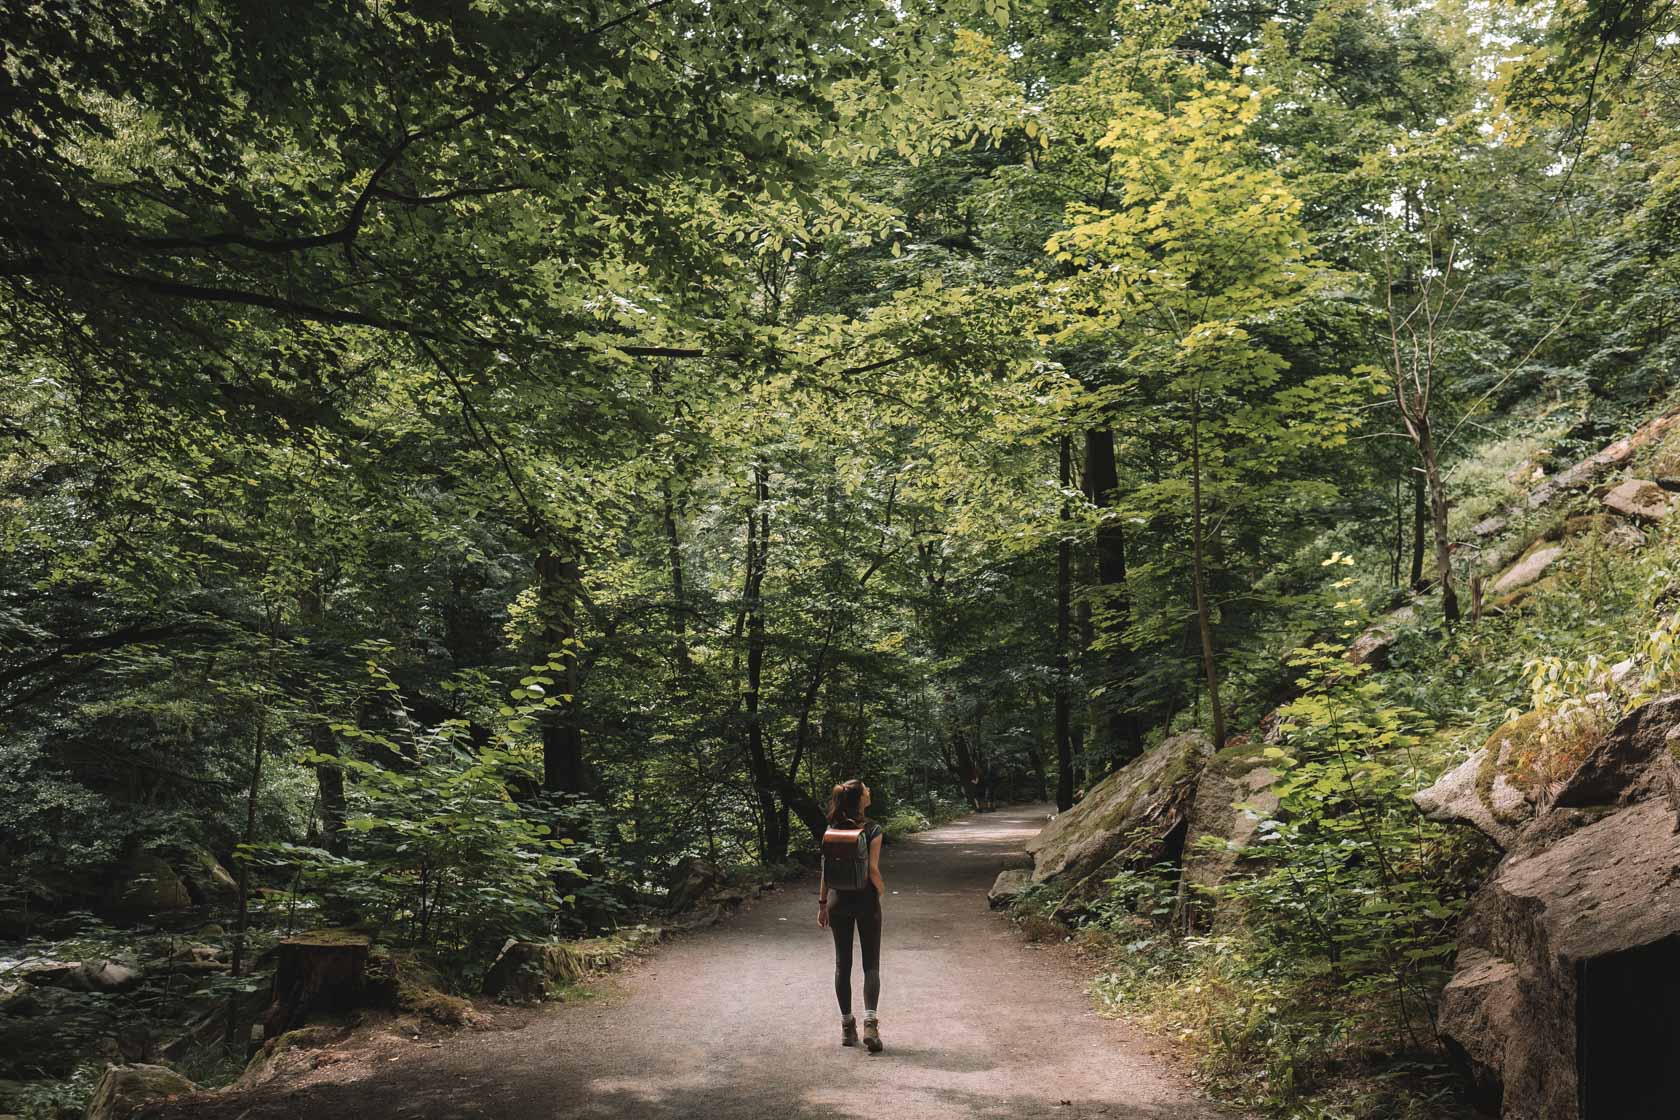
(147, 885)
(1579, 924)
(1624, 538)
(1525, 571)
(124, 1090)
(1640, 499)
(1234, 795)
(1584, 473)
(1130, 819)
(1478, 792)
(44, 972)
(1008, 884)
(206, 873)
(690, 880)
(1375, 641)
(105, 976)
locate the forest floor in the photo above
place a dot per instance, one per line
(738, 1022)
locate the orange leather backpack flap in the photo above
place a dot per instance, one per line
(841, 843)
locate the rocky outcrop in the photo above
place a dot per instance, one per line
(536, 970)
(1587, 471)
(1484, 791)
(147, 885)
(1527, 570)
(123, 1090)
(105, 976)
(206, 879)
(1234, 795)
(689, 881)
(1373, 644)
(275, 1054)
(1565, 955)
(1135, 817)
(1639, 499)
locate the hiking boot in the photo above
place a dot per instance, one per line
(848, 1032)
(872, 1036)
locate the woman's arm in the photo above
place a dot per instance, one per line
(875, 863)
(822, 893)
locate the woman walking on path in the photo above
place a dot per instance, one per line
(851, 869)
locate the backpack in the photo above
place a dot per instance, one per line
(845, 858)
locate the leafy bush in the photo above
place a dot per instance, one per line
(445, 857)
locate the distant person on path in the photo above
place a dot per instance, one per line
(851, 869)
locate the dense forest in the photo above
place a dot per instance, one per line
(464, 465)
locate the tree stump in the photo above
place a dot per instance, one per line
(323, 970)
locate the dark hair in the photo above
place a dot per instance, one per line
(845, 804)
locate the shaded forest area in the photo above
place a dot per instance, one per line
(468, 470)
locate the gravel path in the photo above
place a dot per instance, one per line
(739, 1023)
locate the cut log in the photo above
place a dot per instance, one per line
(323, 970)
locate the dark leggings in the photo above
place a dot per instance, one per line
(865, 917)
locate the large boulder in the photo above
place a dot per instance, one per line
(1639, 499)
(1569, 957)
(205, 877)
(1133, 818)
(147, 885)
(124, 1090)
(690, 881)
(1373, 644)
(1488, 791)
(104, 976)
(1234, 795)
(1527, 570)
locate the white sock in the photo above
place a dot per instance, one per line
(869, 1015)
(847, 1019)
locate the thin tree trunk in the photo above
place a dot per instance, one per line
(679, 601)
(1399, 535)
(1204, 621)
(1120, 727)
(1419, 531)
(758, 548)
(1438, 515)
(236, 966)
(1064, 588)
(329, 775)
(559, 589)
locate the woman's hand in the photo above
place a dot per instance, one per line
(822, 913)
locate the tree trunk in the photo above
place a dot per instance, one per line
(329, 775)
(1399, 534)
(679, 601)
(559, 591)
(1204, 621)
(1438, 516)
(757, 547)
(1064, 589)
(1419, 526)
(320, 971)
(1120, 728)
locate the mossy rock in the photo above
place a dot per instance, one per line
(123, 1090)
(147, 885)
(1664, 462)
(268, 1061)
(1129, 818)
(1525, 596)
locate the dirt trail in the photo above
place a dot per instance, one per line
(739, 1023)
